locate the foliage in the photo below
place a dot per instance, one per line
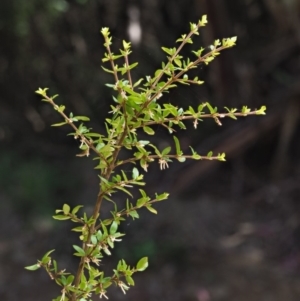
(137, 107)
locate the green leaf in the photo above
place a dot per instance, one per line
(143, 142)
(124, 190)
(191, 110)
(200, 107)
(42, 92)
(229, 42)
(158, 72)
(61, 217)
(59, 124)
(166, 150)
(61, 109)
(70, 279)
(211, 109)
(148, 130)
(203, 21)
(83, 118)
(66, 209)
(63, 280)
(46, 257)
(135, 173)
(113, 228)
(134, 214)
(106, 282)
(55, 266)
(140, 202)
(151, 209)
(261, 111)
(48, 253)
(178, 62)
(138, 82)
(142, 264)
(129, 280)
(161, 197)
(77, 229)
(231, 115)
(124, 176)
(75, 210)
(133, 65)
(106, 251)
(121, 265)
(99, 235)
(155, 149)
(107, 70)
(143, 193)
(222, 157)
(126, 45)
(196, 156)
(177, 145)
(33, 267)
(80, 251)
(167, 50)
(94, 239)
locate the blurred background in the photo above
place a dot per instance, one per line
(230, 231)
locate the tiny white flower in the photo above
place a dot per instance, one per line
(163, 164)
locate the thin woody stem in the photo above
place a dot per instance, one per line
(131, 160)
(128, 72)
(126, 212)
(96, 211)
(214, 115)
(75, 128)
(175, 78)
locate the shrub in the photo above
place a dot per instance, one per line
(137, 106)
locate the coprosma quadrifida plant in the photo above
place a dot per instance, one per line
(137, 106)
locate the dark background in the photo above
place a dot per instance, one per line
(230, 231)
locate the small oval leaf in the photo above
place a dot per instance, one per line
(113, 228)
(142, 264)
(148, 130)
(33, 267)
(66, 209)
